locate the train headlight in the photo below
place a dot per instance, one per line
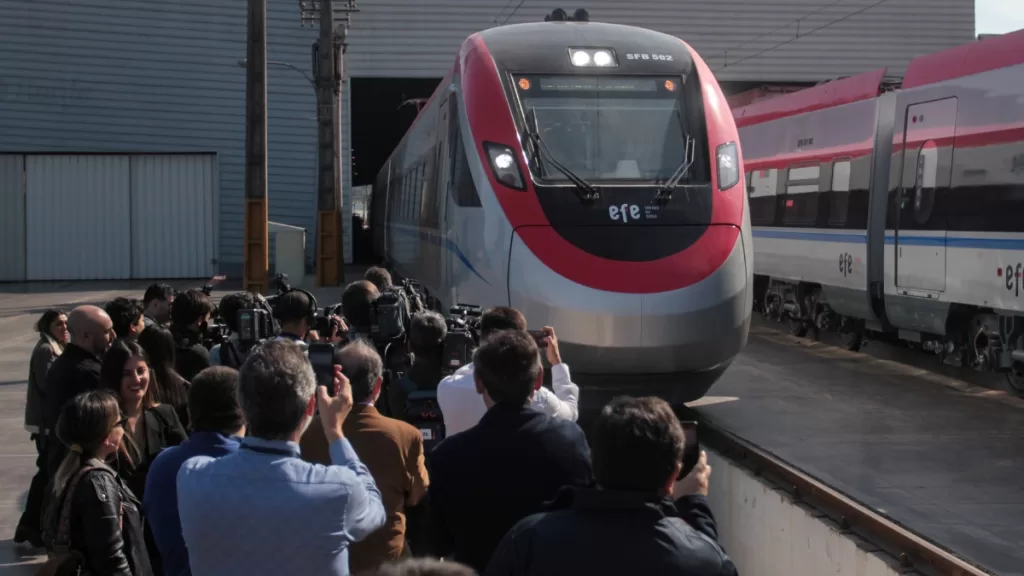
(603, 58)
(503, 163)
(728, 165)
(591, 57)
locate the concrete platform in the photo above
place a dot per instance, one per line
(945, 464)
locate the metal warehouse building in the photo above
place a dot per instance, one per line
(122, 123)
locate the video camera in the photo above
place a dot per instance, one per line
(463, 322)
(392, 312)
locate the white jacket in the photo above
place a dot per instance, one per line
(462, 407)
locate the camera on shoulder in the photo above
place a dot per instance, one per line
(463, 322)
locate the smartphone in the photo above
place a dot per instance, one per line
(691, 452)
(539, 336)
(321, 356)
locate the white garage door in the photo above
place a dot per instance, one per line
(107, 217)
(78, 217)
(173, 216)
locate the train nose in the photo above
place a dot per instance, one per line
(696, 327)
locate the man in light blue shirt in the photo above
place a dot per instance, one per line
(263, 510)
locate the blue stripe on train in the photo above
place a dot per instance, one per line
(438, 240)
(861, 238)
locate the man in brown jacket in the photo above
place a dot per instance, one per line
(391, 449)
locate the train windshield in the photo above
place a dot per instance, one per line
(612, 128)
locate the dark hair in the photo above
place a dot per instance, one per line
(292, 306)
(85, 421)
(421, 567)
(189, 307)
(426, 333)
(275, 385)
(158, 291)
(46, 320)
(379, 277)
(124, 313)
(231, 304)
(508, 365)
(357, 301)
(501, 318)
(112, 370)
(213, 401)
(362, 366)
(158, 343)
(636, 444)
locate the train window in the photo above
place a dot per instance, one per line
(839, 199)
(802, 191)
(761, 189)
(463, 189)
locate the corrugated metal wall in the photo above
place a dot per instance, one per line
(161, 77)
(174, 216)
(12, 217)
(412, 38)
(79, 210)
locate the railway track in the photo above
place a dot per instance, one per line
(912, 553)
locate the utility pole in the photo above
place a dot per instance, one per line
(330, 73)
(255, 223)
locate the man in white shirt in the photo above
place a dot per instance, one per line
(462, 405)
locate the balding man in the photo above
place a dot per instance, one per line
(391, 449)
(77, 370)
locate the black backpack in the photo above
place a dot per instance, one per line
(233, 354)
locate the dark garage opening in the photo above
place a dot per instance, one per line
(379, 120)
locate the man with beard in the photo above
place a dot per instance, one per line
(77, 370)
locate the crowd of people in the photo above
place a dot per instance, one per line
(158, 456)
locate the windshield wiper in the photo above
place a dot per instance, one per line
(666, 188)
(584, 189)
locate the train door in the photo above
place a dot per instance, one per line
(444, 123)
(920, 241)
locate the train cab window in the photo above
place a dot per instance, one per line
(761, 189)
(839, 198)
(617, 128)
(802, 191)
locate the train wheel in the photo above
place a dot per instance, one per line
(797, 327)
(851, 334)
(1015, 379)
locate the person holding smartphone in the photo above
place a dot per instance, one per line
(462, 406)
(639, 519)
(264, 510)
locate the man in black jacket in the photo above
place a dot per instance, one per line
(75, 371)
(190, 315)
(487, 478)
(629, 523)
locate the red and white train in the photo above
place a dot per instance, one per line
(589, 175)
(898, 212)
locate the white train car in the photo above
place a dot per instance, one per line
(898, 211)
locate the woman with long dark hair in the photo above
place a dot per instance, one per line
(53, 335)
(159, 345)
(151, 426)
(103, 523)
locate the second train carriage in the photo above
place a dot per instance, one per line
(589, 175)
(898, 211)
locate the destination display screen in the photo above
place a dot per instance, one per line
(634, 86)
